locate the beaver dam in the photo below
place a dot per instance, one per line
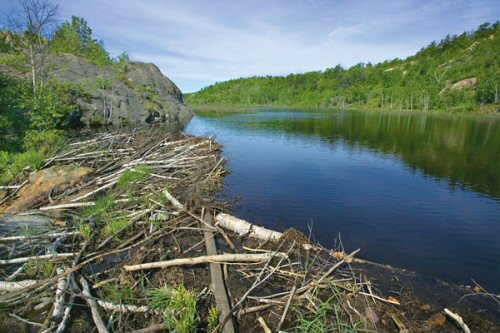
(120, 232)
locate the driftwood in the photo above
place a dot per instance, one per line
(242, 227)
(218, 287)
(218, 258)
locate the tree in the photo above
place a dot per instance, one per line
(35, 21)
(76, 37)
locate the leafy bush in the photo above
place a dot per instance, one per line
(46, 142)
(12, 164)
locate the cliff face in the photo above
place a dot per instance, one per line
(133, 93)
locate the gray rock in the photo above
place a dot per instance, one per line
(134, 94)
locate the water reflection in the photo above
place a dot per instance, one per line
(418, 191)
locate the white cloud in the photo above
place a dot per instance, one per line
(197, 43)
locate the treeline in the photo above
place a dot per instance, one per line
(459, 73)
(35, 109)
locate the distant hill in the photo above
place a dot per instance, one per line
(459, 73)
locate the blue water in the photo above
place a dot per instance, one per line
(415, 191)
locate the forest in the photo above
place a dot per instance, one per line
(460, 73)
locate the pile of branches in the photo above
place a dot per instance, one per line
(145, 227)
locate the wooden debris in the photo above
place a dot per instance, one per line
(218, 258)
(458, 320)
(242, 227)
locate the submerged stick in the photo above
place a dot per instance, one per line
(219, 258)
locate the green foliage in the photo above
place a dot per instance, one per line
(213, 318)
(130, 177)
(13, 120)
(76, 37)
(104, 205)
(178, 307)
(46, 142)
(85, 230)
(46, 109)
(115, 225)
(116, 293)
(12, 164)
(326, 318)
(420, 82)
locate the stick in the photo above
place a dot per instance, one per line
(177, 205)
(219, 258)
(21, 238)
(59, 301)
(101, 328)
(458, 319)
(42, 257)
(69, 205)
(95, 191)
(218, 287)
(264, 325)
(18, 285)
(122, 307)
(287, 306)
(330, 271)
(152, 328)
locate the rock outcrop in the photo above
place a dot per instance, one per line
(120, 95)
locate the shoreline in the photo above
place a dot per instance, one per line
(172, 225)
(236, 108)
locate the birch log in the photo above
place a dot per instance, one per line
(219, 258)
(18, 285)
(242, 227)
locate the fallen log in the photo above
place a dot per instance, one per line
(243, 227)
(219, 258)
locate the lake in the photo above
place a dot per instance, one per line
(418, 191)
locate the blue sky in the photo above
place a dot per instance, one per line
(197, 43)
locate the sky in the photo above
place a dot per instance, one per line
(197, 43)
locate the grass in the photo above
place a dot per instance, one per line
(103, 206)
(133, 176)
(36, 268)
(12, 165)
(115, 225)
(213, 318)
(117, 293)
(85, 230)
(178, 306)
(326, 318)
